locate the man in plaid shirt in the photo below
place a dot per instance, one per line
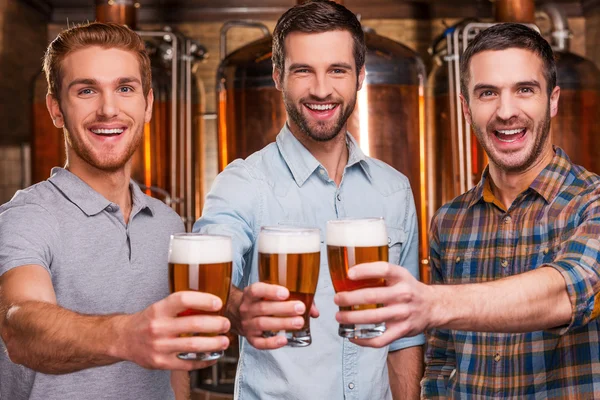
(515, 260)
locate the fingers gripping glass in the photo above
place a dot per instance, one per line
(200, 263)
(290, 257)
(351, 242)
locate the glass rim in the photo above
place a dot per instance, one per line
(355, 219)
(289, 230)
(193, 236)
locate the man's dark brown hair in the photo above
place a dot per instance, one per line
(316, 17)
(509, 36)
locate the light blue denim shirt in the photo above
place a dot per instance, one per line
(284, 184)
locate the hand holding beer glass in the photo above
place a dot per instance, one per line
(351, 242)
(290, 257)
(200, 263)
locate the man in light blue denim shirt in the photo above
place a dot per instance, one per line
(314, 172)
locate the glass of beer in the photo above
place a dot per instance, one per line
(200, 263)
(351, 242)
(290, 257)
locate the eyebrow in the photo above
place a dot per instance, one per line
(486, 86)
(334, 65)
(84, 81)
(529, 83)
(128, 79)
(93, 82)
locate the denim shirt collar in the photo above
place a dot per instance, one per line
(303, 164)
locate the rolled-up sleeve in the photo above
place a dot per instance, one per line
(578, 261)
(232, 208)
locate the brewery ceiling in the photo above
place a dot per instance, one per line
(157, 11)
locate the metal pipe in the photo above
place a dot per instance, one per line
(181, 133)
(456, 99)
(172, 39)
(238, 23)
(452, 99)
(188, 130)
(561, 34)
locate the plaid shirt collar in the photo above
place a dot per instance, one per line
(547, 184)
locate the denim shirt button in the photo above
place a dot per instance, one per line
(351, 385)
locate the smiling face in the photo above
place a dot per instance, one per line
(319, 83)
(102, 107)
(509, 108)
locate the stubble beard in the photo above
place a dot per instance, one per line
(542, 135)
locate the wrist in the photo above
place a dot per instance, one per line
(118, 345)
(439, 310)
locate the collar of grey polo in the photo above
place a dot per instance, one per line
(83, 196)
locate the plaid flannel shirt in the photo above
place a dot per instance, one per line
(556, 223)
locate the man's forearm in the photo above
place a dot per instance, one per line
(405, 368)
(53, 340)
(232, 310)
(531, 301)
(180, 383)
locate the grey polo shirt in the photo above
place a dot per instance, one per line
(98, 265)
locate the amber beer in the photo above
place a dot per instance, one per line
(351, 242)
(290, 257)
(200, 263)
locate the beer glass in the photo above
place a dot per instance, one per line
(351, 242)
(200, 263)
(290, 257)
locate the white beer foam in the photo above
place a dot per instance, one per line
(288, 242)
(197, 249)
(357, 233)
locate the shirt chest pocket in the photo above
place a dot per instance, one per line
(396, 240)
(541, 254)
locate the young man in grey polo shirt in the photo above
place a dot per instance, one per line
(313, 173)
(85, 310)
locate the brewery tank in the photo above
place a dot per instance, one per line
(573, 129)
(388, 121)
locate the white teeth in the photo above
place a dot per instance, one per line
(510, 131)
(321, 107)
(107, 131)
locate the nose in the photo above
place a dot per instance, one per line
(507, 108)
(321, 87)
(109, 106)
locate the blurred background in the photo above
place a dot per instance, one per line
(215, 100)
